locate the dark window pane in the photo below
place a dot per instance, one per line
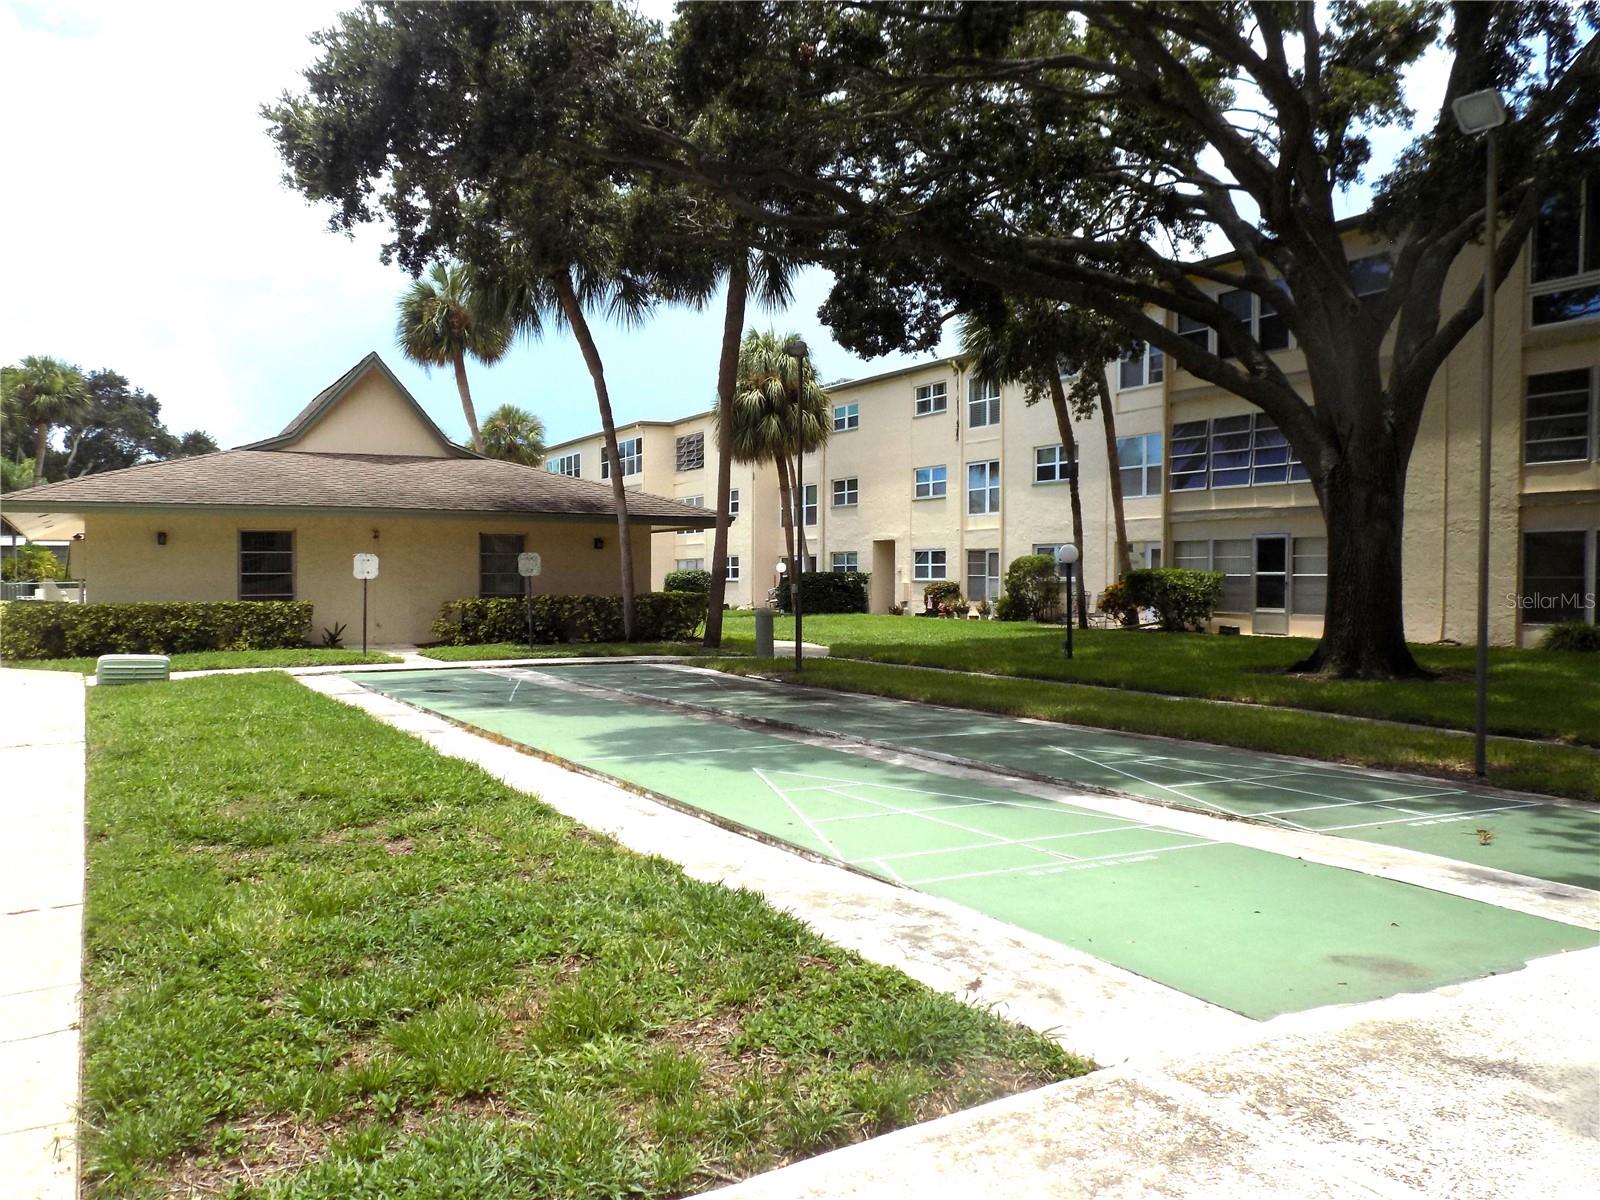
(1131, 370)
(1570, 305)
(1194, 331)
(1271, 591)
(273, 540)
(1553, 578)
(1272, 554)
(1273, 334)
(1555, 239)
(1369, 276)
(1591, 245)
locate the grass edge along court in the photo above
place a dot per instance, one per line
(1246, 929)
(322, 956)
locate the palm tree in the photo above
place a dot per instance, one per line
(515, 435)
(777, 415)
(44, 392)
(441, 321)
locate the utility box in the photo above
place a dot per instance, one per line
(764, 633)
(131, 668)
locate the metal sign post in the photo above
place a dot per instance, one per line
(365, 567)
(529, 564)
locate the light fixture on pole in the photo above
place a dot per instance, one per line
(1067, 556)
(1483, 113)
(797, 349)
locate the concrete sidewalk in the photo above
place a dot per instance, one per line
(41, 930)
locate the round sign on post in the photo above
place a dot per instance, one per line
(529, 563)
(366, 566)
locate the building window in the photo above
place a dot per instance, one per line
(1192, 329)
(1052, 549)
(1561, 417)
(1309, 595)
(1230, 451)
(1272, 573)
(497, 564)
(930, 399)
(983, 575)
(733, 503)
(927, 565)
(846, 417)
(266, 564)
(1370, 274)
(1139, 462)
(688, 564)
(732, 574)
(567, 464)
(690, 451)
(1142, 364)
(692, 502)
(844, 562)
(1566, 256)
(810, 504)
(983, 403)
(1188, 471)
(1234, 557)
(631, 452)
(1272, 459)
(1147, 554)
(845, 492)
(983, 487)
(1192, 555)
(930, 483)
(1259, 316)
(1558, 578)
(1051, 464)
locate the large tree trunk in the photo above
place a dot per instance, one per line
(727, 378)
(1069, 440)
(1108, 422)
(619, 494)
(41, 435)
(460, 361)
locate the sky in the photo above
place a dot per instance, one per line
(148, 230)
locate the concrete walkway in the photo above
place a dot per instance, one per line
(41, 930)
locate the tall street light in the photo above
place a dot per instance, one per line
(1067, 556)
(796, 349)
(1483, 113)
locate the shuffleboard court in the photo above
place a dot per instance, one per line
(1255, 932)
(1560, 843)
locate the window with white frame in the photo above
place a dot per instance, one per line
(927, 565)
(983, 575)
(497, 564)
(692, 502)
(1561, 417)
(846, 417)
(631, 452)
(1146, 554)
(1309, 590)
(1189, 471)
(1565, 263)
(1141, 365)
(983, 487)
(1558, 576)
(809, 504)
(1192, 329)
(567, 464)
(1259, 316)
(844, 562)
(929, 483)
(983, 403)
(1192, 554)
(732, 575)
(1370, 275)
(846, 492)
(266, 564)
(931, 398)
(1230, 452)
(1272, 459)
(1051, 464)
(688, 564)
(1139, 464)
(733, 503)
(690, 451)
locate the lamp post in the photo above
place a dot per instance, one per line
(797, 349)
(1483, 113)
(1066, 556)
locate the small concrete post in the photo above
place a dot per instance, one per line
(764, 633)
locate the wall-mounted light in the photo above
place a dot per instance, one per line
(374, 535)
(599, 543)
(161, 538)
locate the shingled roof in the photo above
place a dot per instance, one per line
(356, 482)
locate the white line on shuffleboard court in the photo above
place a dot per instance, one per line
(822, 837)
(1380, 803)
(1422, 818)
(1131, 855)
(1147, 782)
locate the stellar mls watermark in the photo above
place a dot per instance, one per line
(1565, 602)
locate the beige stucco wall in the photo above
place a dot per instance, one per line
(370, 418)
(424, 562)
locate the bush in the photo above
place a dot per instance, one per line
(1572, 635)
(1117, 601)
(30, 563)
(943, 596)
(1033, 588)
(1183, 599)
(658, 617)
(829, 592)
(698, 582)
(46, 629)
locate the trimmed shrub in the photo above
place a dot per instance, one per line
(688, 581)
(1183, 599)
(829, 592)
(658, 617)
(943, 596)
(46, 629)
(31, 562)
(1572, 635)
(1033, 588)
(1116, 601)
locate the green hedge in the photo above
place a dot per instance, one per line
(52, 629)
(658, 617)
(829, 592)
(698, 582)
(1032, 590)
(1183, 599)
(1572, 635)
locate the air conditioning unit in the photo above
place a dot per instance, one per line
(131, 668)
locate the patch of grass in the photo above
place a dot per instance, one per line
(1532, 693)
(221, 660)
(324, 961)
(560, 650)
(1571, 771)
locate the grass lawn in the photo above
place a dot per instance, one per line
(324, 961)
(219, 660)
(1571, 771)
(560, 650)
(1532, 693)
